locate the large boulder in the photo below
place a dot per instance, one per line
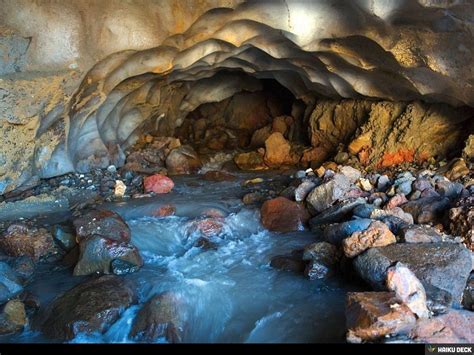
(442, 265)
(89, 307)
(20, 240)
(376, 235)
(323, 260)
(283, 215)
(373, 315)
(183, 160)
(278, 151)
(103, 223)
(161, 316)
(324, 195)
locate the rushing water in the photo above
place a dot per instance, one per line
(230, 294)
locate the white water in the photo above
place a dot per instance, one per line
(230, 294)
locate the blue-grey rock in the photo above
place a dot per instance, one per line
(364, 210)
(10, 283)
(338, 213)
(335, 233)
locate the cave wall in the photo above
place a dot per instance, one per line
(99, 73)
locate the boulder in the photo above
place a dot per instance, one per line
(454, 327)
(420, 234)
(373, 315)
(163, 316)
(323, 260)
(20, 240)
(340, 212)
(206, 227)
(183, 160)
(159, 184)
(13, 317)
(10, 283)
(103, 223)
(283, 215)
(97, 254)
(250, 161)
(408, 289)
(278, 151)
(376, 235)
(335, 233)
(65, 237)
(443, 265)
(456, 169)
(324, 195)
(427, 210)
(395, 212)
(303, 189)
(89, 307)
(260, 136)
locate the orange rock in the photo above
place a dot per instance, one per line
(315, 156)
(250, 161)
(398, 157)
(283, 215)
(279, 125)
(20, 240)
(376, 235)
(207, 227)
(278, 151)
(164, 211)
(158, 183)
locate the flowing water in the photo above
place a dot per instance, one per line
(230, 294)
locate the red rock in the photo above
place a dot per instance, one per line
(164, 211)
(395, 201)
(158, 183)
(376, 235)
(206, 227)
(103, 223)
(213, 212)
(283, 215)
(372, 315)
(456, 326)
(20, 240)
(396, 158)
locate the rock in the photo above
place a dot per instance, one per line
(20, 240)
(341, 157)
(278, 151)
(253, 198)
(288, 192)
(395, 201)
(23, 266)
(420, 234)
(288, 263)
(457, 169)
(396, 212)
(363, 210)
(10, 283)
(422, 184)
(183, 160)
(283, 215)
(205, 244)
(335, 233)
(324, 195)
(122, 267)
(300, 174)
(454, 327)
(468, 151)
(427, 209)
(205, 227)
(64, 237)
(394, 223)
(383, 183)
(103, 223)
(443, 265)
(350, 173)
(376, 235)
(260, 136)
(461, 220)
(164, 211)
(279, 125)
(159, 184)
(250, 161)
(161, 316)
(303, 189)
(408, 289)
(438, 300)
(468, 295)
(218, 176)
(97, 254)
(339, 212)
(323, 260)
(120, 188)
(373, 315)
(13, 317)
(451, 190)
(365, 184)
(89, 307)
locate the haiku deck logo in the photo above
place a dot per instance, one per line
(465, 349)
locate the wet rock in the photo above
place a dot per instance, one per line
(335, 233)
(183, 160)
(122, 267)
(376, 235)
(420, 234)
(303, 189)
(13, 317)
(253, 198)
(350, 173)
(453, 327)
(10, 283)
(324, 195)
(373, 315)
(89, 307)
(20, 240)
(97, 254)
(339, 212)
(407, 288)
(206, 227)
(278, 151)
(205, 244)
(443, 265)
(395, 201)
(468, 295)
(427, 209)
(159, 184)
(161, 316)
(218, 176)
(461, 218)
(250, 161)
(288, 263)
(323, 260)
(164, 211)
(103, 223)
(283, 215)
(23, 266)
(64, 237)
